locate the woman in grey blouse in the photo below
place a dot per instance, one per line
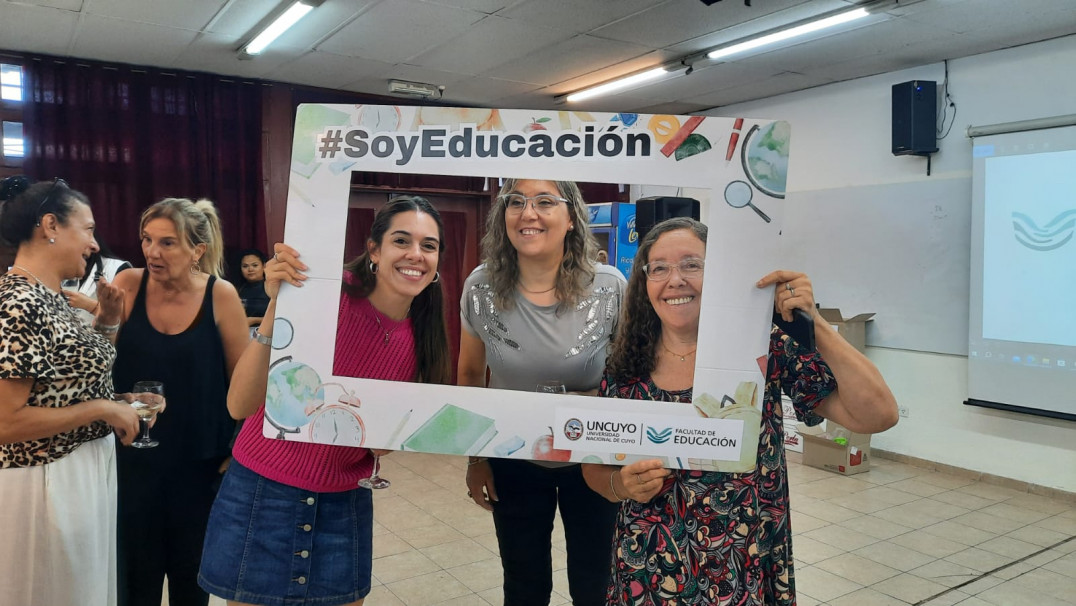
(538, 309)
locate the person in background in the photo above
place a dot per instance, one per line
(185, 327)
(540, 309)
(603, 257)
(101, 263)
(290, 524)
(252, 285)
(701, 537)
(58, 420)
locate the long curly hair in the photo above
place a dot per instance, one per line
(576, 272)
(635, 345)
(427, 308)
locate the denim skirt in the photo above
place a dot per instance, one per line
(269, 543)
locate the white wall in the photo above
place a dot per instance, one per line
(841, 138)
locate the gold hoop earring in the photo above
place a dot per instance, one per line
(194, 269)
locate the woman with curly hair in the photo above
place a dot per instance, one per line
(540, 309)
(702, 537)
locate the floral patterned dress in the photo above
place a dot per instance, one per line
(719, 538)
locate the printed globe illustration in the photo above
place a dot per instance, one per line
(291, 386)
(765, 158)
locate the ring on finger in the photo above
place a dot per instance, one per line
(788, 286)
(276, 257)
(791, 292)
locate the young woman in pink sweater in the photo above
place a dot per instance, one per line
(290, 524)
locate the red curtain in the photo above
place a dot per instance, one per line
(128, 137)
(359, 222)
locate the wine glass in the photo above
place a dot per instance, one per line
(375, 481)
(149, 398)
(69, 284)
(551, 387)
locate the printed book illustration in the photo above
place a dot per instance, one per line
(452, 430)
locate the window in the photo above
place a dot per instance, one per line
(14, 146)
(10, 82)
(12, 96)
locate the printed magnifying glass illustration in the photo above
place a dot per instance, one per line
(738, 194)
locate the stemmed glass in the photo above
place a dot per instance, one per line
(551, 387)
(149, 398)
(375, 481)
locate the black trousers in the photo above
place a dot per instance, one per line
(528, 499)
(163, 511)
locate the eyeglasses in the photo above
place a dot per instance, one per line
(515, 204)
(688, 268)
(45, 200)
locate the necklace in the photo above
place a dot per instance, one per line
(536, 292)
(29, 273)
(388, 333)
(683, 357)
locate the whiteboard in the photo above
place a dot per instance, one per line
(900, 250)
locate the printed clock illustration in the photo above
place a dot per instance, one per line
(338, 422)
(295, 399)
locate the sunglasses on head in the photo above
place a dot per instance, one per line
(41, 207)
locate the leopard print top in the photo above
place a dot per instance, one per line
(41, 338)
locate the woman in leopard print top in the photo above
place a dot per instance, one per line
(57, 414)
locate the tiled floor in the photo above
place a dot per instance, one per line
(897, 534)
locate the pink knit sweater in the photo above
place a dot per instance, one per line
(361, 351)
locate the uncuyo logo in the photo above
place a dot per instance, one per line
(658, 436)
(1055, 234)
(573, 429)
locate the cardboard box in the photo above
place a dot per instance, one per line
(854, 329)
(819, 449)
(793, 441)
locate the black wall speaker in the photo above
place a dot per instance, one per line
(915, 114)
(651, 211)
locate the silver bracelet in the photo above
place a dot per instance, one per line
(264, 340)
(612, 488)
(107, 329)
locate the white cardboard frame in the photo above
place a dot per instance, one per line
(736, 316)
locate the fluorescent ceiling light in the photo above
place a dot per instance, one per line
(792, 32)
(279, 25)
(615, 85)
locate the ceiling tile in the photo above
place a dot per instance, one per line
(574, 15)
(485, 91)
(129, 42)
(413, 73)
(67, 5)
(483, 6)
(568, 59)
(188, 14)
(491, 42)
(36, 29)
(676, 108)
(731, 32)
(318, 68)
(671, 23)
(763, 87)
(395, 31)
